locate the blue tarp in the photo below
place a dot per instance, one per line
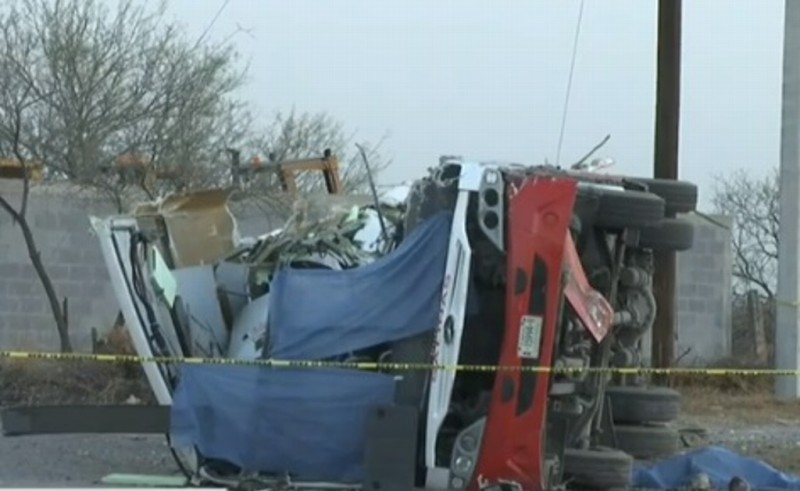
(719, 464)
(307, 422)
(317, 313)
(310, 422)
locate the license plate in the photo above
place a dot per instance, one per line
(530, 337)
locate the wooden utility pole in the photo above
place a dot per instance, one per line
(665, 166)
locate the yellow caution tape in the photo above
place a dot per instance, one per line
(389, 366)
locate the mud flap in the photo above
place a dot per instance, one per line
(390, 461)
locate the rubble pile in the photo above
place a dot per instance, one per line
(340, 240)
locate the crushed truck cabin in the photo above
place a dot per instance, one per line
(341, 336)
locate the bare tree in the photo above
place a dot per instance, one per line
(18, 123)
(306, 135)
(752, 201)
(121, 102)
(125, 85)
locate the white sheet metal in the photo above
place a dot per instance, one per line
(448, 344)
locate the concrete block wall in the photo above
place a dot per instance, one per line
(60, 224)
(59, 218)
(703, 294)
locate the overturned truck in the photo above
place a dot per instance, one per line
(360, 351)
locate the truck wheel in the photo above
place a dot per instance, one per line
(680, 196)
(670, 234)
(627, 209)
(598, 469)
(643, 404)
(647, 442)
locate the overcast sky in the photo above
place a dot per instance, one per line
(488, 79)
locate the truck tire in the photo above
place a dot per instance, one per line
(598, 469)
(647, 442)
(670, 234)
(680, 196)
(633, 405)
(627, 209)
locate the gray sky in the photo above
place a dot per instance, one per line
(488, 79)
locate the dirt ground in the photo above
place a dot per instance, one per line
(746, 419)
(76, 460)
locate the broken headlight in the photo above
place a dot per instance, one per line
(465, 454)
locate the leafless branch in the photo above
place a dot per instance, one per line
(84, 86)
(307, 135)
(753, 204)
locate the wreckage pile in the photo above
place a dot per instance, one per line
(341, 240)
(226, 299)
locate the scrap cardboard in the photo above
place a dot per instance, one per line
(199, 226)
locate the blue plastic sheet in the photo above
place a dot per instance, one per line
(310, 422)
(319, 313)
(306, 422)
(720, 465)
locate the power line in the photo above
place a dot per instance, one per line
(213, 21)
(569, 82)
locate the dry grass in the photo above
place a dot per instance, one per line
(754, 407)
(53, 383)
(743, 398)
(733, 383)
(41, 382)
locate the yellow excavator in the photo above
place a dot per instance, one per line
(12, 169)
(288, 170)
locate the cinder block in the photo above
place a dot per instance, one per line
(34, 340)
(705, 291)
(80, 273)
(74, 220)
(96, 289)
(23, 287)
(9, 270)
(703, 232)
(91, 253)
(720, 244)
(58, 272)
(31, 305)
(99, 271)
(42, 320)
(45, 220)
(683, 304)
(68, 288)
(15, 322)
(68, 256)
(79, 307)
(10, 303)
(27, 271)
(698, 274)
(711, 261)
(697, 306)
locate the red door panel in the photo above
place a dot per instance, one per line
(539, 214)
